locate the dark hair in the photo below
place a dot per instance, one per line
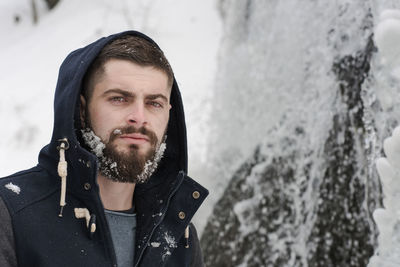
(135, 49)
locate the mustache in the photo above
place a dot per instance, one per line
(132, 129)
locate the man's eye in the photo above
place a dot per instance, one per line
(117, 99)
(155, 104)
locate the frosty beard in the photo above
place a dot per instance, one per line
(125, 167)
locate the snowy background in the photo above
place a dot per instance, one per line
(287, 103)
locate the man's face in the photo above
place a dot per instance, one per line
(129, 108)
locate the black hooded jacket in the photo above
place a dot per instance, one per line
(32, 233)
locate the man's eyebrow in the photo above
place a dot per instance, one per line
(118, 91)
(130, 94)
(155, 96)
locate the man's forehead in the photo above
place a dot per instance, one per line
(113, 62)
(125, 75)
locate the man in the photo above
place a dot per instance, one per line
(111, 187)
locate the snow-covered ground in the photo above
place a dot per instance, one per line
(187, 31)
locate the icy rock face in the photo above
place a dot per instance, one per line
(306, 99)
(343, 233)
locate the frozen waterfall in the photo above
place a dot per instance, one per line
(302, 105)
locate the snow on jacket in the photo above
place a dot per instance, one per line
(33, 234)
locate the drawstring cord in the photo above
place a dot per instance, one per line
(81, 213)
(62, 172)
(187, 237)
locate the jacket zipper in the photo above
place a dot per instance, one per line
(163, 215)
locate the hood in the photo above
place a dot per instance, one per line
(82, 165)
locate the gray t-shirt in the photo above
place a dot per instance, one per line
(123, 230)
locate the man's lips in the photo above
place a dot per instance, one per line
(135, 138)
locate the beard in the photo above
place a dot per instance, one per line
(125, 166)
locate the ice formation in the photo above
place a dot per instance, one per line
(117, 131)
(93, 141)
(96, 145)
(151, 165)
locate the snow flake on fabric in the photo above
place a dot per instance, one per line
(15, 188)
(155, 244)
(170, 244)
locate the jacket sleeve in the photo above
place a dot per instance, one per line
(7, 247)
(197, 258)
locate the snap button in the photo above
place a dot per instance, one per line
(182, 215)
(88, 164)
(196, 194)
(87, 186)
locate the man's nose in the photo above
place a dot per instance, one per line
(136, 115)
